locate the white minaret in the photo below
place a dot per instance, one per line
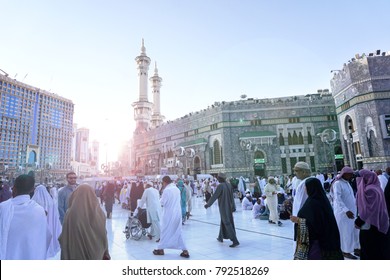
(142, 107)
(157, 118)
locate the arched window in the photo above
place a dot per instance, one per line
(281, 140)
(197, 167)
(300, 138)
(217, 152)
(32, 157)
(259, 154)
(295, 138)
(290, 140)
(309, 138)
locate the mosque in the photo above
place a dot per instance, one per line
(265, 137)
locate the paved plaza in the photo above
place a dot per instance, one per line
(258, 239)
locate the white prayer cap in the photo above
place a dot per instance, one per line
(302, 165)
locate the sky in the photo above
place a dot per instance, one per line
(206, 51)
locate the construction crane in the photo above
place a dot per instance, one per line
(5, 73)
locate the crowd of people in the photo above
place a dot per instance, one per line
(334, 218)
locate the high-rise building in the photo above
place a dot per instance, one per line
(35, 130)
(94, 155)
(82, 145)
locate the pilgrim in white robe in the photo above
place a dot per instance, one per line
(188, 197)
(383, 180)
(321, 177)
(300, 195)
(256, 210)
(43, 198)
(122, 196)
(270, 191)
(151, 198)
(343, 201)
(54, 195)
(24, 233)
(241, 186)
(171, 222)
(247, 203)
(263, 183)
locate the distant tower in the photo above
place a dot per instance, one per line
(361, 90)
(157, 118)
(142, 107)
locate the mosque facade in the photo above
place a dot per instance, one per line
(246, 137)
(350, 126)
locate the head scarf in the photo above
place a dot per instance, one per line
(345, 170)
(180, 184)
(43, 198)
(84, 235)
(302, 165)
(371, 201)
(320, 218)
(271, 180)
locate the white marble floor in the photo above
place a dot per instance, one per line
(258, 239)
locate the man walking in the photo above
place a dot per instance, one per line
(226, 204)
(302, 172)
(344, 207)
(151, 197)
(171, 223)
(64, 194)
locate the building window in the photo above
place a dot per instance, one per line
(309, 138)
(312, 164)
(293, 161)
(281, 140)
(295, 138)
(256, 122)
(293, 120)
(217, 152)
(300, 138)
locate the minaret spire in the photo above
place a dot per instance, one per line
(155, 68)
(157, 118)
(142, 107)
(143, 49)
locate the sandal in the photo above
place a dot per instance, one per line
(158, 252)
(185, 254)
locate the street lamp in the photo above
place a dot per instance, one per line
(329, 137)
(246, 146)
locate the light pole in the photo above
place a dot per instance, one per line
(246, 146)
(329, 137)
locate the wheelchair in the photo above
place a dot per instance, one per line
(137, 225)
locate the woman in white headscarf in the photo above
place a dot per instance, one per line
(43, 198)
(241, 187)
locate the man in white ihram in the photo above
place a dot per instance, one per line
(345, 210)
(302, 172)
(171, 227)
(151, 197)
(24, 233)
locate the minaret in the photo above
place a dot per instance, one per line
(157, 119)
(142, 107)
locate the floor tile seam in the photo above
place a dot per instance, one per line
(246, 230)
